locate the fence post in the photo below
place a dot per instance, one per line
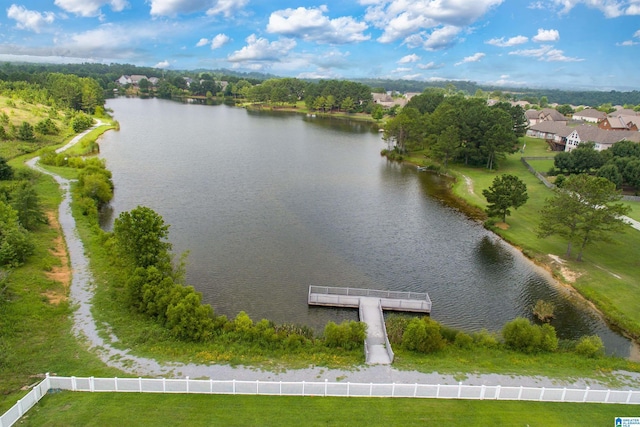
(629, 396)
(187, 378)
(73, 384)
(164, 385)
(348, 389)
(498, 392)
(48, 381)
(393, 390)
(210, 386)
(370, 389)
(520, 393)
(606, 399)
(234, 386)
(325, 387)
(482, 389)
(303, 387)
(541, 394)
(564, 393)
(459, 389)
(140, 384)
(115, 383)
(438, 391)
(257, 386)
(91, 385)
(20, 410)
(586, 392)
(280, 388)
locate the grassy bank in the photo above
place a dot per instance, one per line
(81, 409)
(607, 276)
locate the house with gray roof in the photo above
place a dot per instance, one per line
(589, 115)
(619, 123)
(555, 133)
(544, 115)
(603, 139)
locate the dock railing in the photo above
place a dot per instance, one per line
(391, 300)
(386, 336)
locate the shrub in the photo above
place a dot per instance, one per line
(348, 335)
(396, 325)
(543, 310)
(25, 132)
(46, 127)
(463, 340)
(81, 122)
(522, 335)
(485, 339)
(590, 346)
(423, 335)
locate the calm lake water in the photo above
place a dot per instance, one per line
(268, 204)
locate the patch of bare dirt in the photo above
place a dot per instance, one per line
(60, 273)
(469, 183)
(568, 275)
(502, 225)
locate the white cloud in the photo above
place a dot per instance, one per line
(473, 58)
(260, 49)
(409, 58)
(636, 34)
(30, 19)
(185, 7)
(546, 36)
(227, 7)
(627, 43)
(162, 64)
(219, 41)
(202, 42)
(400, 19)
(546, 53)
(441, 38)
(513, 41)
(90, 8)
(610, 8)
(312, 25)
(430, 66)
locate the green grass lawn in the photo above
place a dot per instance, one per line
(608, 276)
(116, 409)
(635, 210)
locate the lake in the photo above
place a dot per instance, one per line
(268, 203)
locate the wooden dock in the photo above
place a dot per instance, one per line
(370, 304)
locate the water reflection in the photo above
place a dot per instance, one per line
(269, 203)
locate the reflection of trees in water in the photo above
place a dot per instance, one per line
(492, 256)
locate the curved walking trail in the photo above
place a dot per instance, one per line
(86, 329)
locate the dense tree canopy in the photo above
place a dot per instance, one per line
(586, 209)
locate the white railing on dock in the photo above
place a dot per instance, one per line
(386, 336)
(316, 388)
(350, 297)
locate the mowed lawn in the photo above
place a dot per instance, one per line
(134, 409)
(608, 274)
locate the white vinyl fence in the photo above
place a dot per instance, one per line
(315, 388)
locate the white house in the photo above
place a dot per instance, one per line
(590, 115)
(603, 139)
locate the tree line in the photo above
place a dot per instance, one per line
(456, 129)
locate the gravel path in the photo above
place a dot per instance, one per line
(85, 327)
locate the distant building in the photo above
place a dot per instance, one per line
(590, 115)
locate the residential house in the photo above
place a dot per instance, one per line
(555, 133)
(590, 115)
(603, 139)
(544, 115)
(124, 80)
(618, 123)
(387, 101)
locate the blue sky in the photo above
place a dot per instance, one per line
(582, 44)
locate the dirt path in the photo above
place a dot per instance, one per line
(87, 330)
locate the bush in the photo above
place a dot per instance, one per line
(485, 339)
(81, 122)
(423, 335)
(25, 132)
(348, 335)
(590, 346)
(396, 325)
(46, 127)
(463, 340)
(522, 335)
